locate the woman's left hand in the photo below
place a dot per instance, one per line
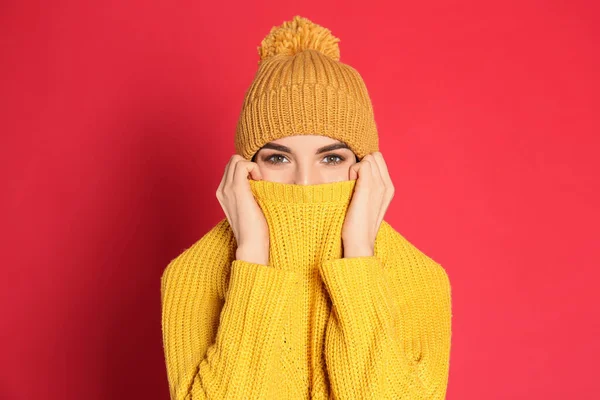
(372, 195)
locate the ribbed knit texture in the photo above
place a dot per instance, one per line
(311, 324)
(302, 88)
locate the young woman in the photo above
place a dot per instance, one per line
(303, 290)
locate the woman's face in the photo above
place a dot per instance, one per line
(305, 160)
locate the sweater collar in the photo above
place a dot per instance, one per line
(335, 192)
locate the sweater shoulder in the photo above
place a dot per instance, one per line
(397, 250)
(206, 261)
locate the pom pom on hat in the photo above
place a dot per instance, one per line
(298, 35)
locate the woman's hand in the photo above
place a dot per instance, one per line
(243, 213)
(372, 195)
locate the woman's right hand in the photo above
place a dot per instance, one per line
(242, 211)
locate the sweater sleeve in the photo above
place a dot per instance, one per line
(237, 362)
(388, 335)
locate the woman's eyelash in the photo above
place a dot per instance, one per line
(335, 155)
(270, 158)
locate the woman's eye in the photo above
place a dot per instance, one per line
(333, 158)
(275, 159)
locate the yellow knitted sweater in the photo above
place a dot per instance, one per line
(311, 324)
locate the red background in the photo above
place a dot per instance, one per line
(117, 120)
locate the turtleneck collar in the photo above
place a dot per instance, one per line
(305, 221)
(336, 192)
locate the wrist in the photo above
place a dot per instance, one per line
(253, 254)
(358, 251)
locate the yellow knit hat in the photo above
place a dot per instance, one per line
(301, 88)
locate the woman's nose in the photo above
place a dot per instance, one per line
(307, 176)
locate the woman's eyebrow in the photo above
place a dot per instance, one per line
(278, 147)
(285, 149)
(331, 147)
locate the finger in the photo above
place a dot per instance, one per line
(243, 168)
(229, 181)
(219, 193)
(255, 172)
(379, 189)
(225, 174)
(375, 174)
(383, 169)
(387, 182)
(363, 171)
(231, 172)
(353, 172)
